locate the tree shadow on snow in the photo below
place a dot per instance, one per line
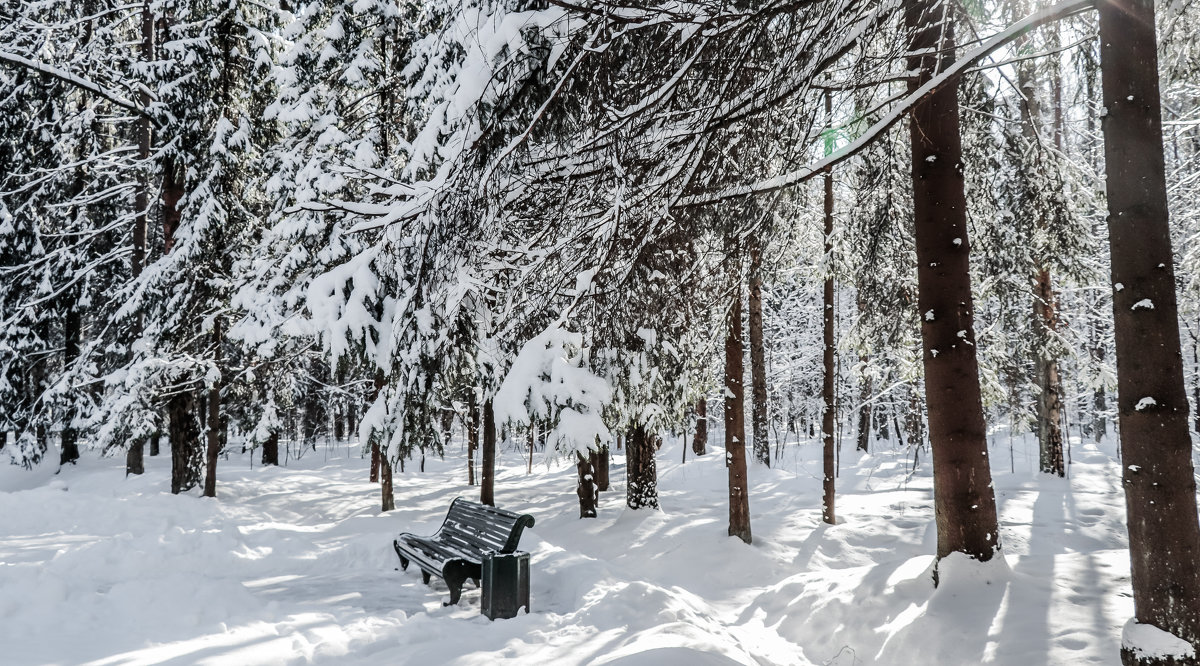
(955, 625)
(1025, 625)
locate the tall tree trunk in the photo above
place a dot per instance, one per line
(376, 455)
(171, 194)
(594, 461)
(532, 436)
(270, 449)
(472, 440)
(758, 360)
(964, 503)
(735, 413)
(186, 455)
(1050, 436)
(864, 398)
(72, 325)
(601, 467)
(585, 485)
(641, 471)
(700, 439)
(310, 417)
(487, 472)
(214, 417)
(388, 499)
(829, 369)
(881, 423)
(1099, 400)
(1049, 404)
(447, 426)
(1160, 486)
(142, 198)
(135, 455)
(914, 424)
(154, 443)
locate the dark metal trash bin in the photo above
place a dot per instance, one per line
(505, 584)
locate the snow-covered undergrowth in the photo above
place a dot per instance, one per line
(295, 564)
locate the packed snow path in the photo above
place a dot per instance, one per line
(295, 565)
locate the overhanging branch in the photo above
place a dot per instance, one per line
(873, 133)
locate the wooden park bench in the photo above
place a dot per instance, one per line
(456, 551)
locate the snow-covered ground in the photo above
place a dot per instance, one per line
(295, 565)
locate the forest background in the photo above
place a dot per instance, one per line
(268, 224)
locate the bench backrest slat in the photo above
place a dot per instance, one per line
(477, 527)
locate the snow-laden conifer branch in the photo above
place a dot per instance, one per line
(18, 60)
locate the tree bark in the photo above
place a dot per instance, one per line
(1050, 436)
(135, 456)
(641, 471)
(1160, 486)
(594, 461)
(388, 499)
(376, 454)
(1099, 402)
(601, 467)
(214, 418)
(532, 436)
(585, 486)
(487, 472)
(185, 446)
(447, 426)
(964, 503)
(881, 423)
(171, 194)
(309, 419)
(914, 424)
(700, 439)
(864, 407)
(735, 416)
(186, 455)
(142, 198)
(758, 360)
(829, 369)
(1049, 405)
(270, 449)
(472, 440)
(72, 325)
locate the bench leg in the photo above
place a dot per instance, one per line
(425, 576)
(454, 576)
(403, 559)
